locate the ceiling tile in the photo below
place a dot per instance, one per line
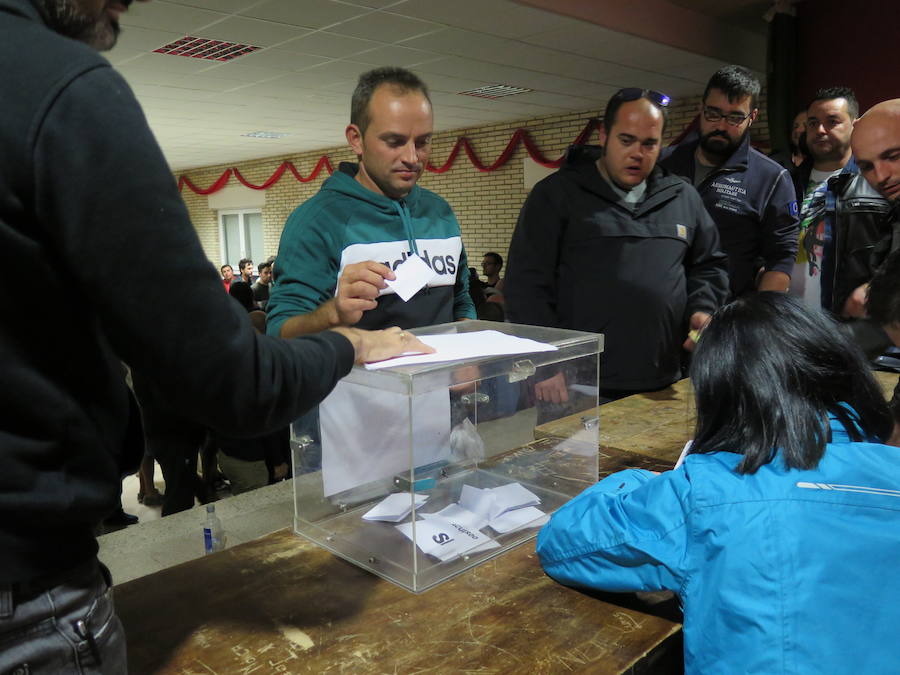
(228, 6)
(341, 70)
(279, 59)
(323, 43)
(251, 31)
(238, 71)
(312, 13)
(163, 16)
(384, 27)
(500, 17)
(392, 55)
(375, 4)
(143, 39)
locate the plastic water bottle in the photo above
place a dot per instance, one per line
(213, 534)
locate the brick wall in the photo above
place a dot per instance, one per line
(486, 204)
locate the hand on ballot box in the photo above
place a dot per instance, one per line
(552, 390)
(377, 345)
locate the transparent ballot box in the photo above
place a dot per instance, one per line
(418, 472)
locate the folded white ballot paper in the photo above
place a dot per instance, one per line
(460, 346)
(455, 530)
(491, 503)
(394, 508)
(519, 519)
(446, 539)
(412, 275)
(458, 514)
(365, 434)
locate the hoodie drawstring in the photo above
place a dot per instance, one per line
(407, 224)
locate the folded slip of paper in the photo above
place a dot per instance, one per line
(394, 508)
(491, 503)
(412, 275)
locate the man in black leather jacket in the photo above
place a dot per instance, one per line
(841, 217)
(876, 144)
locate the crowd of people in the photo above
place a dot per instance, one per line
(776, 276)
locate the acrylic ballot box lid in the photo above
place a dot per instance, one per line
(419, 472)
(420, 379)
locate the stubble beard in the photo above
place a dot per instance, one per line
(836, 153)
(720, 151)
(67, 18)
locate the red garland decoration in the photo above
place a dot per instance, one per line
(462, 143)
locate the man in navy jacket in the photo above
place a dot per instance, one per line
(749, 196)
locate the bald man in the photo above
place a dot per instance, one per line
(613, 244)
(876, 148)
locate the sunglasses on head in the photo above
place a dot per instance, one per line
(634, 93)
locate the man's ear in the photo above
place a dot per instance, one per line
(753, 115)
(601, 132)
(354, 139)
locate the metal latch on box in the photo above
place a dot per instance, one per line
(427, 477)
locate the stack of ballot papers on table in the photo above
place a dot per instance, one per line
(456, 529)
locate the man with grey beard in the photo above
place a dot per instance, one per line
(87, 202)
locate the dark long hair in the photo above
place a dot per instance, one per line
(766, 372)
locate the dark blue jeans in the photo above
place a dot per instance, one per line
(71, 627)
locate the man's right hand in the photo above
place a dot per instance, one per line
(552, 390)
(357, 289)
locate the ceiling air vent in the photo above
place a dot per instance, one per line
(495, 91)
(206, 48)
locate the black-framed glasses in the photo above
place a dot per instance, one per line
(634, 93)
(714, 115)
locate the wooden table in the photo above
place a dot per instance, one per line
(656, 424)
(281, 605)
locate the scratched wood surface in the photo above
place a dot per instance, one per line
(656, 424)
(281, 605)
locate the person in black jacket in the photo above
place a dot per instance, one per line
(876, 146)
(842, 217)
(87, 202)
(615, 245)
(750, 197)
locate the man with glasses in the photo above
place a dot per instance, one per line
(749, 196)
(612, 244)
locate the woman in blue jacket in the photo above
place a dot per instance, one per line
(780, 532)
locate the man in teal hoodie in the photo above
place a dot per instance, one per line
(338, 248)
